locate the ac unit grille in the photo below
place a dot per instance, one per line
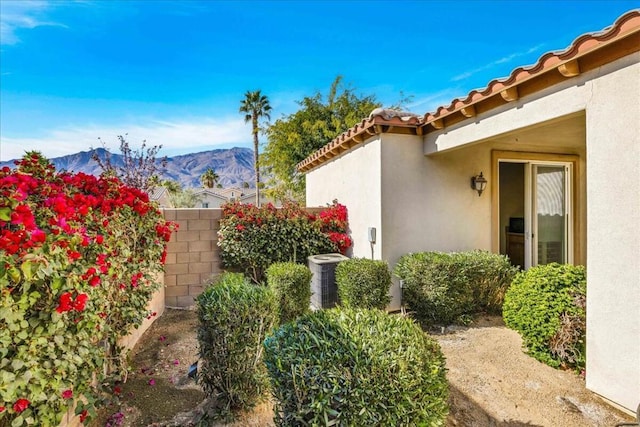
(324, 291)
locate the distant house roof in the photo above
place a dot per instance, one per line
(210, 192)
(157, 193)
(228, 193)
(585, 53)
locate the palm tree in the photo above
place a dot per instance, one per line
(255, 105)
(209, 178)
(172, 187)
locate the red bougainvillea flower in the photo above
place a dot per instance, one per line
(83, 415)
(38, 236)
(2, 408)
(67, 394)
(80, 302)
(65, 303)
(239, 227)
(21, 405)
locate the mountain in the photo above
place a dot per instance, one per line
(234, 166)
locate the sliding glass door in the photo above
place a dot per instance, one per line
(550, 213)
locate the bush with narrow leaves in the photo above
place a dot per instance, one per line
(291, 285)
(546, 305)
(234, 317)
(363, 283)
(444, 288)
(347, 367)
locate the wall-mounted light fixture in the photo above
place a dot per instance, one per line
(479, 183)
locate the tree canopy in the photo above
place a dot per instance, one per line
(294, 137)
(209, 178)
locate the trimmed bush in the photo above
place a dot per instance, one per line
(234, 316)
(546, 305)
(291, 285)
(356, 368)
(363, 283)
(444, 288)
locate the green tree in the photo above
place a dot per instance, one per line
(171, 186)
(294, 137)
(180, 197)
(255, 106)
(184, 199)
(209, 178)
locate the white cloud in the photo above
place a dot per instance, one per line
(492, 64)
(15, 15)
(176, 137)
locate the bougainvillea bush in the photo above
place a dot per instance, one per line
(252, 238)
(78, 257)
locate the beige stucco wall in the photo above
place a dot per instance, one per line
(609, 190)
(353, 179)
(613, 244)
(428, 204)
(385, 184)
(423, 201)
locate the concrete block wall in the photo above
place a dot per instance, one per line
(192, 254)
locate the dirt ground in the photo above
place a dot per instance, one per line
(493, 383)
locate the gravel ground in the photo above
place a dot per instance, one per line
(493, 383)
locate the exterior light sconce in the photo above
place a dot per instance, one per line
(479, 183)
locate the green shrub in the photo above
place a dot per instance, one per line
(291, 285)
(546, 305)
(234, 316)
(444, 288)
(350, 367)
(363, 283)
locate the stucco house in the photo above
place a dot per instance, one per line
(215, 198)
(558, 143)
(210, 198)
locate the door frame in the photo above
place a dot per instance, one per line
(523, 157)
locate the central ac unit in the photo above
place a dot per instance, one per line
(324, 291)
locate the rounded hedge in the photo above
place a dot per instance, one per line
(354, 368)
(546, 305)
(235, 317)
(291, 285)
(444, 288)
(363, 283)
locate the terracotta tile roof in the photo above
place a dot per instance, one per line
(586, 52)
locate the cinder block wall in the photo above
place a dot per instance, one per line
(192, 254)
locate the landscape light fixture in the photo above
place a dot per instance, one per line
(479, 183)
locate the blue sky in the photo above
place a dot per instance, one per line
(174, 72)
